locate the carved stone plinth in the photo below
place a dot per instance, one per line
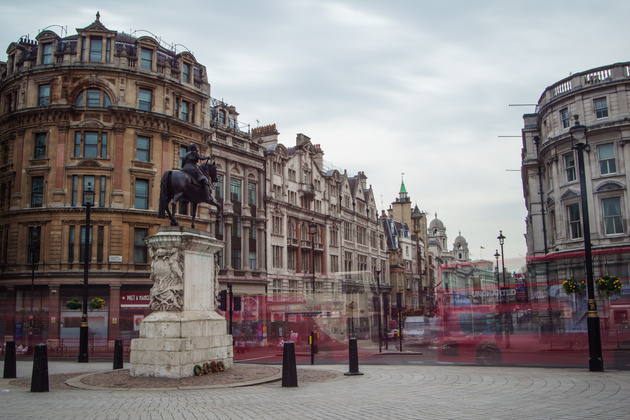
(184, 330)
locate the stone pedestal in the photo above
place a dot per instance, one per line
(184, 330)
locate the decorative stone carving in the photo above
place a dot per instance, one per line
(167, 273)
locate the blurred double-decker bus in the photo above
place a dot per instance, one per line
(532, 321)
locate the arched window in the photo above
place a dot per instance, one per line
(93, 98)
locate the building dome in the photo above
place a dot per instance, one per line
(460, 240)
(436, 223)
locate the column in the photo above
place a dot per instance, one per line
(298, 257)
(323, 258)
(119, 143)
(18, 159)
(227, 235)
(260, 243)
(245, 244)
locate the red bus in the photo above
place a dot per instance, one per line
(551, 332)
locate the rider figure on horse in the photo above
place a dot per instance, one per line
(189, 165)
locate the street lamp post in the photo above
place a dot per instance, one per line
(312, 228)
(378, 292)
(88, 202)
(496, 256)
(503, 315)
(595, 361)
(501, 239)
(33, 248)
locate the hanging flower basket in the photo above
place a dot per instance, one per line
(571, 286)
(96, 303)
(608, 285)
(74, 304)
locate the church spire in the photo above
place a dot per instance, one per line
(402, 195)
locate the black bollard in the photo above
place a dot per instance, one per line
(10, 370)
(289, 367)
(354, 358)
(39, 380)
(118, 354)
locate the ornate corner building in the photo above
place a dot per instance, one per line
(599, 99)
(111, 111)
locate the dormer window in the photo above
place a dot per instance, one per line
(96, 49)
(146, 58)
(47, 53)
(186, 73)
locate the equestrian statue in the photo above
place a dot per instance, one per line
(190, 184)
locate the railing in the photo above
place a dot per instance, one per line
(587, 78)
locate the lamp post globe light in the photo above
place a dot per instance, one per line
(88, 202)
(312, 228)
(595, 361)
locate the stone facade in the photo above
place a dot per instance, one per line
(347, 248)
(555, 241)
(113, 111)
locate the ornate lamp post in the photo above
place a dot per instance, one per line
(88, 202)
(378, 292)
(34, 260)
(496, 256)
(595, 361)
(312, 228)
(501, 239)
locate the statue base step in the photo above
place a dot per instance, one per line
(172, 343)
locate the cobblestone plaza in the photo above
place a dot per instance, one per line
(409, 391)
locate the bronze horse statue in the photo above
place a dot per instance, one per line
(178, 185)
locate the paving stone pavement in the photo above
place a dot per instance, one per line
(382, 392)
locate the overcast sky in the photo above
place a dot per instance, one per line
(385, 87)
